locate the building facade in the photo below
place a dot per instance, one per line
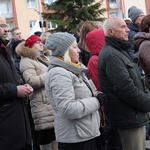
(25, 13)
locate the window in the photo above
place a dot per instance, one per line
(32, 23)
(6, 9)
(52, 25)
(112, 1)
(113, 14)
(49, 1)
(31, 3)
(10, 25)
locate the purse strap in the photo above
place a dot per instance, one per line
(103, 119)
(88, 85)
(42, 62)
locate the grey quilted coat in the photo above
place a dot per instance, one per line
(76, 111)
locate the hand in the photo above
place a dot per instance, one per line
(24, 90)
(27, 85)
(101, 98)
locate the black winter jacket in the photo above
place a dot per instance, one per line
(133, 47)
(14, 127)
(127, 104)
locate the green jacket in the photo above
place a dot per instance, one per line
(120, 79)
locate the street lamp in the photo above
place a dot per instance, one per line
(41, 19)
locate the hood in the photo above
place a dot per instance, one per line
(74, 69)
(140, 37)
(95, 41)
(132, 27)
(25, 51)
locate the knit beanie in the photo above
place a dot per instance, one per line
(31, 40)
(59, 43)
(134, 13)
(95, 40)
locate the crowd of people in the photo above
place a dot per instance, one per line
(87, 91)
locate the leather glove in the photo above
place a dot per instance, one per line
(101, 98)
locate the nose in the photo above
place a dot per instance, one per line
(79, 50)
(127, 29)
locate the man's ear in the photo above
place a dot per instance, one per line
(111, 32)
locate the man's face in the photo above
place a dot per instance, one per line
(3, 27)
(139, 19)
(17, 35)
(120, 30)
(5, 36)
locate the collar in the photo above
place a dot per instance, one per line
(72, 68)
(117, 43)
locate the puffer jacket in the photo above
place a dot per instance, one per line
(127, 104)
(34, 73)
(76, 111)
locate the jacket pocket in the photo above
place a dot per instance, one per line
(88, 126)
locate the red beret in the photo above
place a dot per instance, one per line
(31, 40)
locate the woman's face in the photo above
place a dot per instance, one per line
(74, 52)
(38, 45)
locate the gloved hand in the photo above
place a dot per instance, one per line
(101, 98)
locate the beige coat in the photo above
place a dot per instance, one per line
(34, 73)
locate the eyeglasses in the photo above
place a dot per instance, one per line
(38, 42)
(3, 25)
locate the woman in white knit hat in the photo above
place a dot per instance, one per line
(71, 95)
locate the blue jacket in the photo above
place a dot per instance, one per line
(133, 48)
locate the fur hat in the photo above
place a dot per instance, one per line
(31, 40)
(95, 41)
(134, 13)
(59, 43)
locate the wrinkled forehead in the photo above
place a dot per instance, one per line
(118, 22)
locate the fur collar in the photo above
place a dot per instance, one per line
(24, 51)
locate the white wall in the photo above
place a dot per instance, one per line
(138, 3)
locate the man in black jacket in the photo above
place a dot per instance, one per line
(14, 127)
(128, 102)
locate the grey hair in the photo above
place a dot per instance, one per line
(109, 23)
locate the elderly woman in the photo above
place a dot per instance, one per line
(33, 65)
(71, 95)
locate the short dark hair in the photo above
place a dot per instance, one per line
(14, 29)
(38, 33)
